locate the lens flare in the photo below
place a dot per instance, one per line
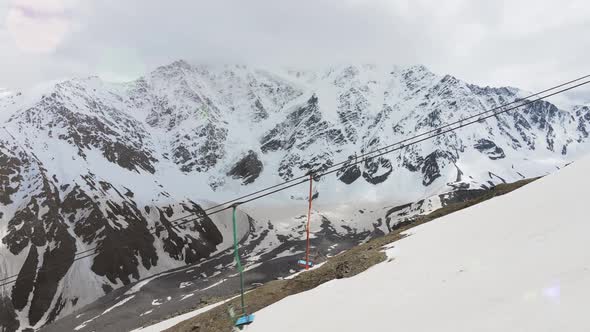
(38, 26)
(553, 292)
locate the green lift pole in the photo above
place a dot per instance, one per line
(244, 319)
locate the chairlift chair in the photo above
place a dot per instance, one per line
(244, 320)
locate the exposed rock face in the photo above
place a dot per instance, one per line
(87, 164)
(119, 138)
(47, 222)
(10, 174)
(490, 149)
(8, 319)
(432, 165)
(349, 174)
(377, 170)
(248, 168)
(200, 149)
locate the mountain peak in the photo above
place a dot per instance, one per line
(418, 68)
(181, 63)
(175, 68)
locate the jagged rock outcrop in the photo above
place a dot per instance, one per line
(248, 168)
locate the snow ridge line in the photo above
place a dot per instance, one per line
(438, 132)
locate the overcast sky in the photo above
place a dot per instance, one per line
(530, 44)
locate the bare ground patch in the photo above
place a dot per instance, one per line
(344, 265)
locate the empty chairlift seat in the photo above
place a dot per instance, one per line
(244, 320)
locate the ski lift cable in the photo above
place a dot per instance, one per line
(500, 107)
(347, 163)
(48, 269)
(439, 132)
(462, 124)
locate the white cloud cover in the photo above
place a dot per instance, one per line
(525, 43)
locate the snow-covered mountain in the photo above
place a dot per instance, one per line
(86, 163)
(519, 262)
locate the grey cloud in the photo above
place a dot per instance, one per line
(530, 44)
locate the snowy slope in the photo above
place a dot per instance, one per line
(87, 163)
(519, 262)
